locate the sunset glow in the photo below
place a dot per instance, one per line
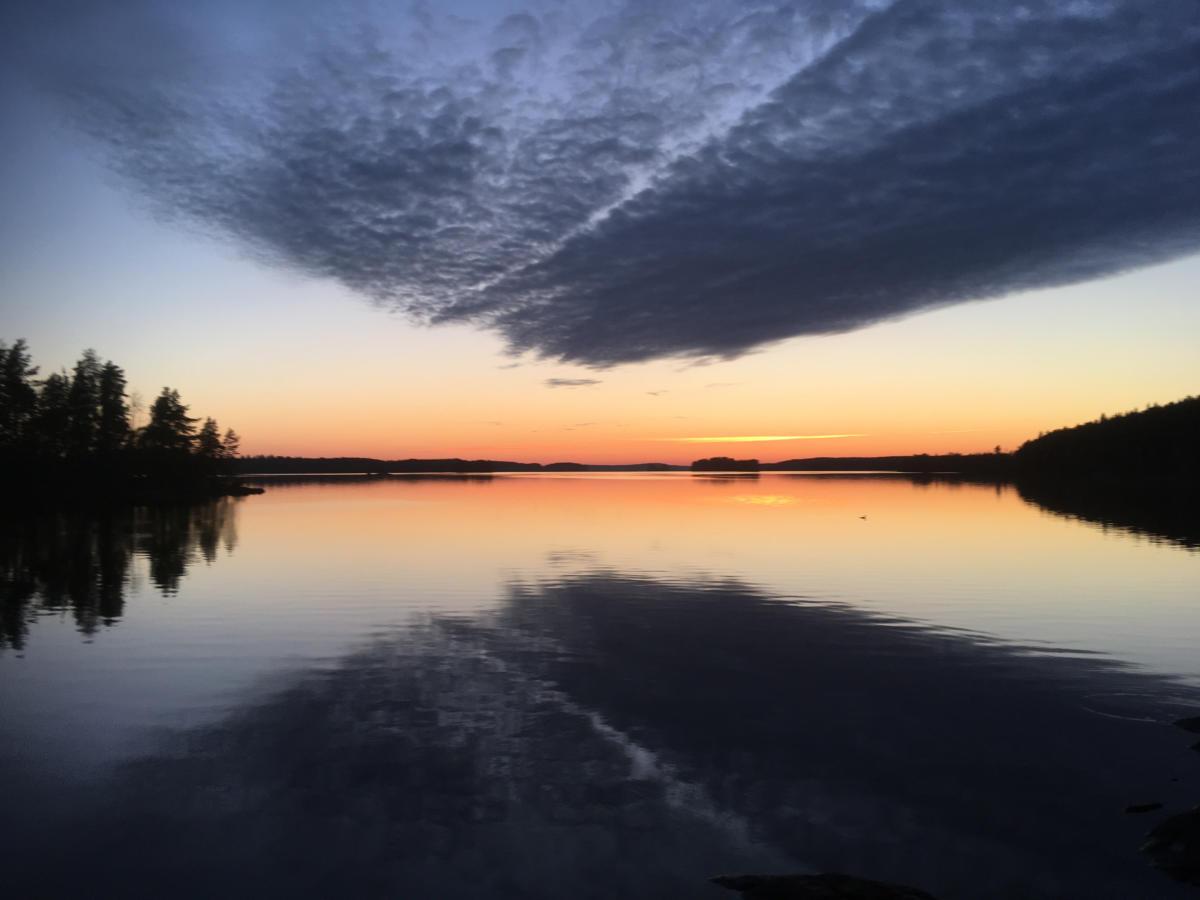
(761, 438)
(542, 449)
(314, 364)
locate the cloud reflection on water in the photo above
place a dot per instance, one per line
(614, 735)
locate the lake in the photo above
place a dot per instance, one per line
(592, 686)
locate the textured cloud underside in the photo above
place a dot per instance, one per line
(609, 183)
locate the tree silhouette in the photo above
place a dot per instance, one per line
(208, 441)
(52, 421)
(170, 430)
(113, 432)
(1158, 443)
(18, 397)
(83, 401)
(231, 444)
(72, 433)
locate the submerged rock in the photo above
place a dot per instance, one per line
(1191, 724)
(829, 886)
(1174, 846)
(1135, 808)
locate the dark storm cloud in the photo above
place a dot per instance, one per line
(657, 179)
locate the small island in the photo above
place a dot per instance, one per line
(725, 464)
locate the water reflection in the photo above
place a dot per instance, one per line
(81, 561)
(1162, 512)
(593, 687)
(611, 735)
(860, 743)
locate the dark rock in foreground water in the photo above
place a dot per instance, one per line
(829, 886)
(1135, 808)
(1191, 724)
(1174, 846)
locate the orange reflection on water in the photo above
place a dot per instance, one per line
(916, 549)
(765, 499)
(954, 555)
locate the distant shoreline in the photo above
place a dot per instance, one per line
(916, 464)
(1153, 447)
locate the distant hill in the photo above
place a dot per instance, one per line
(322, 465)
(991, 465)
(1159, 443)
(297, 465)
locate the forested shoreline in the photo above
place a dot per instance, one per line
(73, 434)
(1155, 444)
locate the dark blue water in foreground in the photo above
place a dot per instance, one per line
(611, 686)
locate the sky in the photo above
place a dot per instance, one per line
(609, 231)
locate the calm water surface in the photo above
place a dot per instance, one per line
(591, 686)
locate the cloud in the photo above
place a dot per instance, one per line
(571, 382)
(656, 393)
(653, 179)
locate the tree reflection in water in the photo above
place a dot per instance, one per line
(82, 562)
(1162, 512)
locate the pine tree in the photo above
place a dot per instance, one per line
(52, 422)
(231, 444)
(18, 396)
(113, 429)
(171, 429)
(84, 403)
(208, 441)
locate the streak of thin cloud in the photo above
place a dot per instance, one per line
(758, 438)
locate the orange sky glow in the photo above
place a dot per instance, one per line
(307, 369)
